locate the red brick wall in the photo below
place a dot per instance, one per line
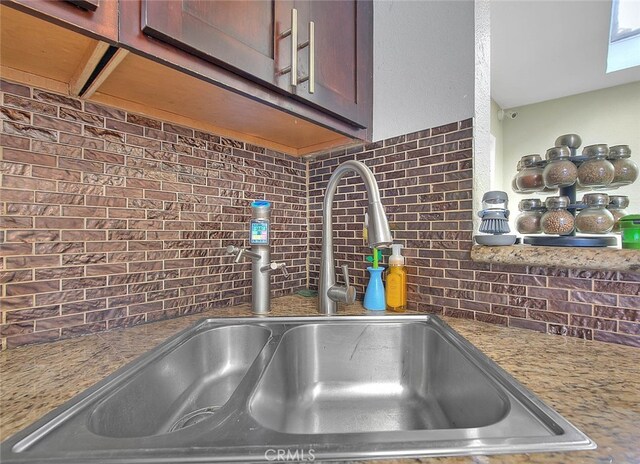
(426, 185)
(112, 219)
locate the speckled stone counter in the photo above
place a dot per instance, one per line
(608, 259)
(594, 385)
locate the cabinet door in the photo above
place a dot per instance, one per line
(244, 37)
(235, 34)
(343, 57)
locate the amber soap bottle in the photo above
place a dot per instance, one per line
(396, 289)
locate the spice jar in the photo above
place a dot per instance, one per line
(625, 170)
(560, 171)
(529, 179)
(557, 220)
(617, 207)
(514, 185)
(529, 220)
(595, 218)
(596, 171)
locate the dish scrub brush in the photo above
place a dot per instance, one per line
(495, 215)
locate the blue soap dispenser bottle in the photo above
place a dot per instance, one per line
(374, 296)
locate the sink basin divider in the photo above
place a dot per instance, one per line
(237, 405)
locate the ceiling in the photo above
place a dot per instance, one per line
(547, 49)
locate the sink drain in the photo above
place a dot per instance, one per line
(194, 417)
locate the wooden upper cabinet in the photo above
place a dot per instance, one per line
(343, 56)
(235, 34)
(245, 37)
(96, 18)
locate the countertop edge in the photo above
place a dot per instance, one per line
(607, 259)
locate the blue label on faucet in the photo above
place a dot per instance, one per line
(259, 233)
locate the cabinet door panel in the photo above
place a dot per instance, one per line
(343, 57)
(335, 46)
(237, 34)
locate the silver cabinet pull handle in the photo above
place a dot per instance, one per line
(311, 43)
(293, 32)
(312, 58)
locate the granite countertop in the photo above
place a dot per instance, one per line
(606, 259)
(596, 386)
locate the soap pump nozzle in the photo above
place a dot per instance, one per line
(396, 259)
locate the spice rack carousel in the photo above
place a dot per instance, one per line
(528, 180)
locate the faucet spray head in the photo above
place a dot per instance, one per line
(379, 232)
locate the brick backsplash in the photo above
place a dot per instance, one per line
(111, 219)
(425, 181)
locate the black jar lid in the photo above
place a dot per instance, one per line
(529, 204)
(558, 153)
(618, 201)
(557, 202)
(595, 199)
(619, 151)
(570, 140)
(599, 150)
(530, 160)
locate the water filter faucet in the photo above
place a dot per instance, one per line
(260, 255)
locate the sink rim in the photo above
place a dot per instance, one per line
(400, 444)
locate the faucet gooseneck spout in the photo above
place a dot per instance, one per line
(329, 294)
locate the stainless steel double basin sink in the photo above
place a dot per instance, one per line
(300, 389)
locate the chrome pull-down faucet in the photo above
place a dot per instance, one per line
(329, 294)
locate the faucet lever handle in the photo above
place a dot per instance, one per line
(237, 251)
(284, 270)
(274, 266)
(349, 290)
(345, 274)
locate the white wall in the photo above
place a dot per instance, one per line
(610, 116)
(483, 171)
(423, 65)
(497, 153)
